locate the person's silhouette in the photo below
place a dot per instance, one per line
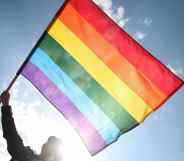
(50, 150)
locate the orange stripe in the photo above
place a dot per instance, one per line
(112, 58)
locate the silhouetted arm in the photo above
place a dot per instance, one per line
(15, 144)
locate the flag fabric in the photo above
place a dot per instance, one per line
(96, 75)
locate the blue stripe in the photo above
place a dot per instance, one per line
(107, 129)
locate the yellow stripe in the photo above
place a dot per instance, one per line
(130, 101)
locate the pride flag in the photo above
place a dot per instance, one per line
(96, 75)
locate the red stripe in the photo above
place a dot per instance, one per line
(165, 80)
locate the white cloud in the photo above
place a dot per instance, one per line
(140, 35)
(177, 71)
(120, 13)
(122, 23)
(117, 14)
(36, 120)
(3, 153)
(148, 21)
(105, 4)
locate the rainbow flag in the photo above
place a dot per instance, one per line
(96, 75)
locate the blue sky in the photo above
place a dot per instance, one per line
(157, 25)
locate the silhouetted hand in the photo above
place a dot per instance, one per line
(5, 98)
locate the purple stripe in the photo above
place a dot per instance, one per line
(86, 130)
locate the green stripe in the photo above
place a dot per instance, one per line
(123, 120)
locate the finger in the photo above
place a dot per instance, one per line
(5, 94)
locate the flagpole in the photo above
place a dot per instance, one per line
(34, 48)
(12, 82)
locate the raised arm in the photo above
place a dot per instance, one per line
(15, 144)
